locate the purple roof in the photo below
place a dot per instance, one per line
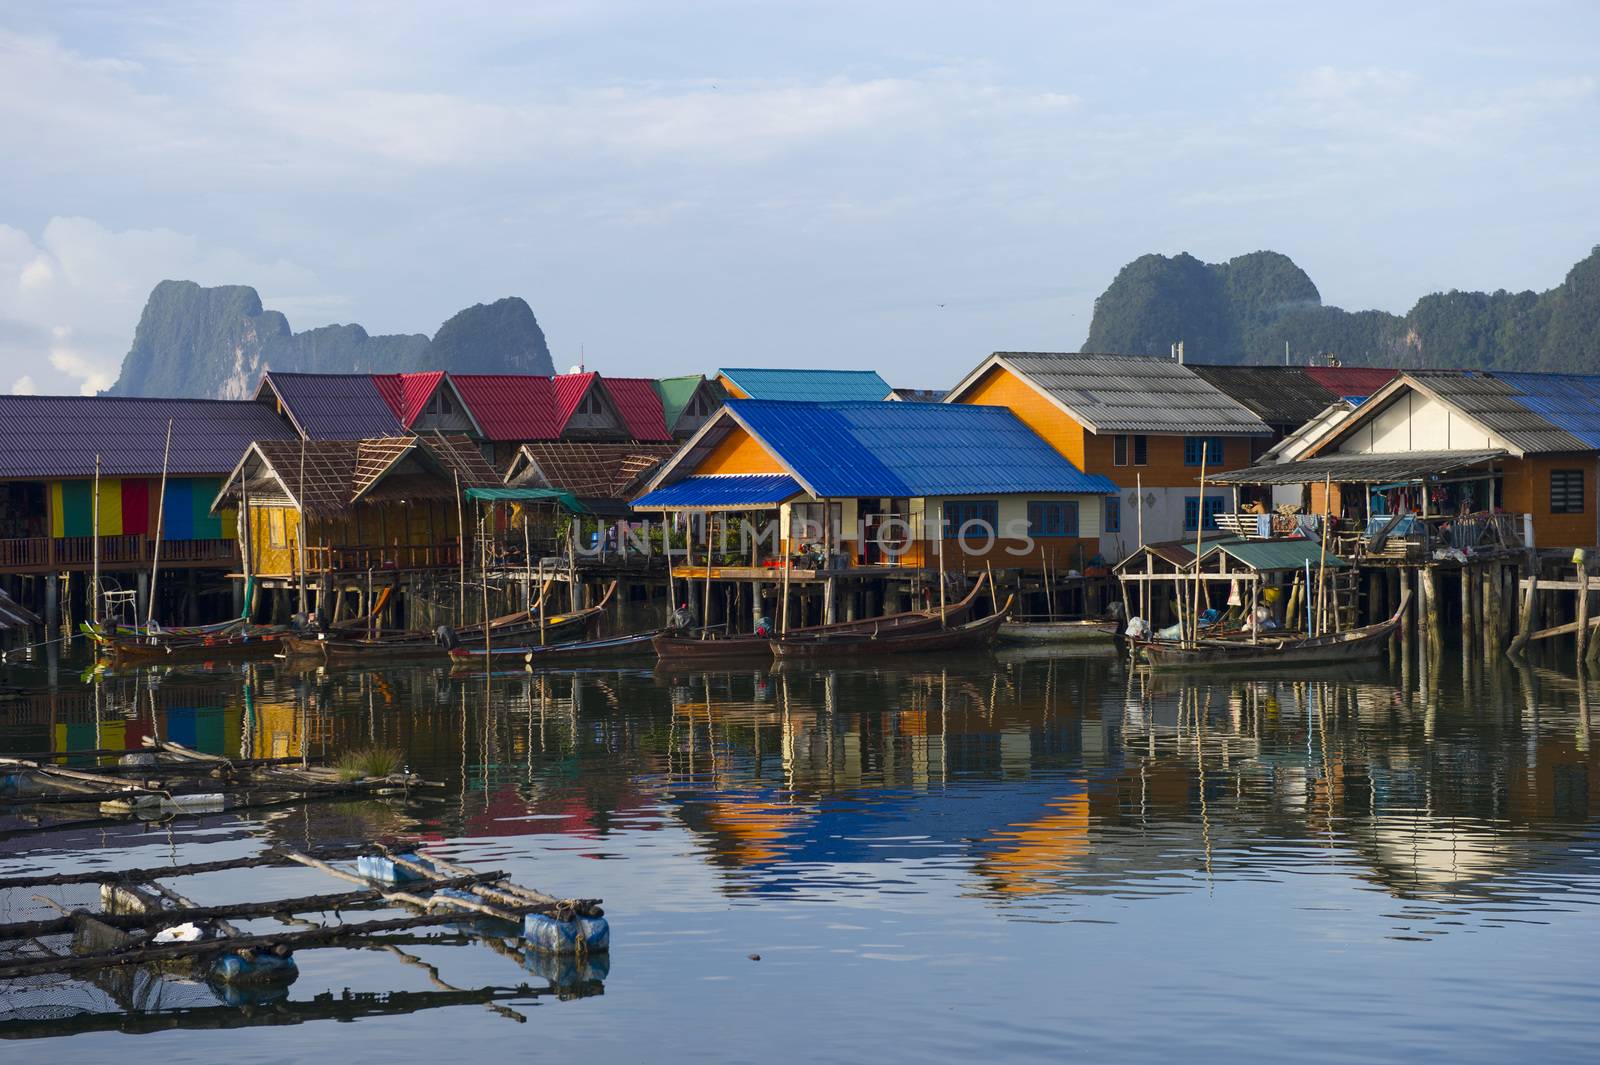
(44, 437)
(334, 406)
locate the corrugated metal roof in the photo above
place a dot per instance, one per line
(1133, 394)
(1351, 380)
(570, 388)
(809, 386)
(1278, 395)
(1263, 555)
(1570, 402)
(407, 393)
(675, 393)
(639, 404)
(911, 449)
(1498, 407)
(510, 407)
(335, 406)
(59, 436)
(1359, 469)
(723, 490)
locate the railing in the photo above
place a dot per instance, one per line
(78, 552)
(1418, 538)
(357, 558)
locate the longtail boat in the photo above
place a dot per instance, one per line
(1022, 630)
(513, 629)
(1356, 645)
(699, 643)
(251, 641)
(557, 654)
(970, 636)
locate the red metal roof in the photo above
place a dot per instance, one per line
(1350, 380)
(570, 390)
(407, 393)
(639, 404)
(511, 406)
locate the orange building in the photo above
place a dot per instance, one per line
(1149, 425)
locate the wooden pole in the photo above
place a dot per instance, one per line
(1583, 609)
(705, 616)
(1199, 532)
(1322, 564)
(1530, 599)
(161, 512)
(461, 554)
(246, 546)
(94, 582)
(1138, 504)
(572, 564)
(483, 557)
(666, 545)
(300, 534)
(788, 564)
(941, 565)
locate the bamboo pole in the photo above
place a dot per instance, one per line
(941, 565)
(1199, 532)
(94, 581)
(461, 553)
(705, 615)
(483, 554)
(572, 563)
(788, 565)
(161, 512)
(1322, 562)
(1138, 504)
(300, 534)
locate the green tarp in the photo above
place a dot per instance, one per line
(527, 495)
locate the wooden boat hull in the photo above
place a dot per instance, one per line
(1355, 646)
(558, 654)
(972, 636)
(679, 646)
(1058, 631)
(132, 651)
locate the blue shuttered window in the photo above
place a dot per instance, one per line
(979, 517)
(1058, 518)
(1191, 512)
(1208, 448)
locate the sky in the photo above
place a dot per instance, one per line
(677, 187)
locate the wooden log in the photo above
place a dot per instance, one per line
(291, 940)
(342, 900)
(1530, 617)
(266, 859)
(1431, 617)
(1466, 607)
(423, 902)
(1582, 630)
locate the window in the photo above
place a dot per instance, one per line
(1053, 518)
(1566, 491)
(1111, 515)
(1141, 451)
(1198, 449)
(275, 534)
(1119, 450)
(1191, 512)
(805, 522)
(979, 518)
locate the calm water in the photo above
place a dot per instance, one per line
(1001, 860)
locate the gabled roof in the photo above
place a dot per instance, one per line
(593, 471)
(1275, 555)
(808, 386)
(1278, 395)
(1345, 381)
(894, 449)
(407, 393)
(640, 406)
(332, 406)
(510, 407)
(678, 392)
(1124, 393)
(328, 477)
(570, 388)
(1531, 413)
(719, 491)
(59, 436)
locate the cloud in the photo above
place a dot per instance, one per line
(23, 386)
(69, 300)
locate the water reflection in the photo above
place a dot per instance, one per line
(1027, 787)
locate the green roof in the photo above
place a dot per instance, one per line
(675, 393)
(1262, 555)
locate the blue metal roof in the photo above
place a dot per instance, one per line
(724, 490)
(809, 386)
(1568, 401)
(912, 449)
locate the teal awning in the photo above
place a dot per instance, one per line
(528, 495)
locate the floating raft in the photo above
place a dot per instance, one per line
(141, 922)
